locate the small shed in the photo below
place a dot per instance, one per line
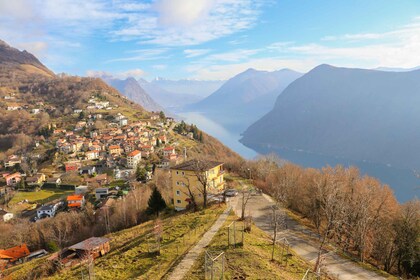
(94, 246)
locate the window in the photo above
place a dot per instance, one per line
(178, 201)
(183, 173)
(178, 192)
(177, 183)
(177, 172)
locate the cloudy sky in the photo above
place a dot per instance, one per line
(212, 39)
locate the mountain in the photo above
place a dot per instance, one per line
(132, 90)
(246, 97)
(391, 69)
(21, 61)
(183, 92)
(169, 100)
(355, 114)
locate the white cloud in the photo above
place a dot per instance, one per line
(195, 52)
(160, 66)
(143, 55)
(182, 13)
(134, 73)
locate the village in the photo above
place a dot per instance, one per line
(97, 161)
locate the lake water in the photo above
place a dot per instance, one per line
(403, 181)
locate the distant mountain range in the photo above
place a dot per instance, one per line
(132, 90)
(246, 97)
(349, 113)
(188, 87)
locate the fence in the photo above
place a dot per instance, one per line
(214, 266)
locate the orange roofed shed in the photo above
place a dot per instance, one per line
(15, 253)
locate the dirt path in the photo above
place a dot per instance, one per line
(304, 242)
(188, 261)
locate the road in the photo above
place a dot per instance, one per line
(303, 241)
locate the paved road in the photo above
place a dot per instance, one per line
(303, 241)
(188, 261)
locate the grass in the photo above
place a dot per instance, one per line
(129, 257)
(253, 260)
(42, 196)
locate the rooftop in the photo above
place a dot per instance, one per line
(90, 244)
(197, 165)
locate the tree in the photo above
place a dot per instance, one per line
(162, 115)
(156, 202)
(141, 174)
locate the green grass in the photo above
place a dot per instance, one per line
(253, 260)
(42, 196)
(129, 257)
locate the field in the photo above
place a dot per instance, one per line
(42, 196)
(253, 259)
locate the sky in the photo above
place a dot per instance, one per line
(211, 39)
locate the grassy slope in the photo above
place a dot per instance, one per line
(129, 257)
(253, 260)
(42, 196)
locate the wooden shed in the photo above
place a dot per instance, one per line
(94, 246)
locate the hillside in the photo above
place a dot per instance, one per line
(246, 97)
(132, 90)
(349, 113)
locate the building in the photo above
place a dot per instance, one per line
(114, 150)
(13, 179)
(92, 155)
(76, 201)
(81, 189)
(5, 216)
(101, 193)
(36, 180)
(90, 170)
(192, 174)
(168, 151)
(13, 255)
(47, 211)
(71, 166)
(94, 246)
(133, 159)
(12, 161)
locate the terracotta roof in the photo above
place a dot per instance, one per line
(168, 148)
(74, 197)
(112, 147)
(197, 165)
(15, 253)
(77, 204)
(134, 153)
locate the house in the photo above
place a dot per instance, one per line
(133, 159)
(47, 211)
(90, 170)
(13, 255)
(13, 179)
(54, 181)
(94, 246)
(92, 154)
(81, 190)
(191, 174)
(101, 179)
(114, 150)
(101, 193)
(123, 121)
(76, 201)
(168, 151)
(36, 180)
(5, 216)
(12, 161)
(71, 166)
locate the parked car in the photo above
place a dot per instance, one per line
(231, 192)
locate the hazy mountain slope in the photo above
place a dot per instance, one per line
(245, 97)
(132, 90)
(191, 87)
(166, 98)
(350, 113)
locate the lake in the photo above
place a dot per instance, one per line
(405, 184)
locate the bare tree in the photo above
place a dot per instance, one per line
(246, 195)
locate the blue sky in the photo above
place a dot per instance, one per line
(212, 39)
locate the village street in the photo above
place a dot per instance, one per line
(303, 241)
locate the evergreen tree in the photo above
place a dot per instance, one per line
(162, 115)
(156, 202)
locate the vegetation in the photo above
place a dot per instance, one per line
(358, 214)
(252, 260)
(156, 203)
(41, 197)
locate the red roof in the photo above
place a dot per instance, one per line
(113, 147)
(15, 253)
(77, 204)
(168, 148)
(134, 153)
(75, 197)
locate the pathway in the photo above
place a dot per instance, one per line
(188, 261)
